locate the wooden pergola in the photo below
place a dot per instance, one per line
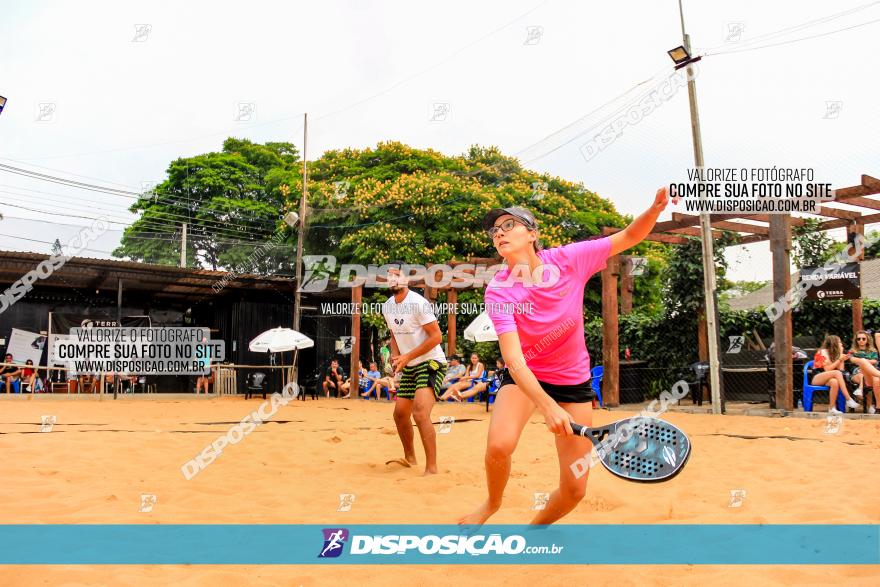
(775, 228)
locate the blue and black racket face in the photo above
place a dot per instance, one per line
(641, 449)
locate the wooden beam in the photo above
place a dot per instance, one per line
(857, 305)
(452, 298)
(837, 213)
(870, 186)
(740, 227)
(626, 284)
(610, 347)
(864, 219)
(871, 183)
(780, 245)
(755, 238)
(691, 231)
(766, 218)
(654, 236)
(680, 219)
(356, 297)
(863, 202)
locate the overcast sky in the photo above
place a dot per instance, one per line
(132, 86)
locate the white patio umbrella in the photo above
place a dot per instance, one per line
(481, 329)
(279, 340)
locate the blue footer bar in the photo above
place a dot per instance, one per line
(290, 544)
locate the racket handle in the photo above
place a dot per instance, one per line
(579, 430)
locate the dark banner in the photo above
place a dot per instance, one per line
(62, 323)
(841, 284)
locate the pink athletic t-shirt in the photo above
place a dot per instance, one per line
(550, 320)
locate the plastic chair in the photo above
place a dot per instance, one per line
(256, 382)
(810, 388)
(484, 378)
(596, 374)
(491, 394)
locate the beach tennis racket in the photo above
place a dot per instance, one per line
(639, 449)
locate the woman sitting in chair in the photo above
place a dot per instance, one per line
(30, 378)
(828, 365)
(494, 381)
(466, 381)
(863, 358)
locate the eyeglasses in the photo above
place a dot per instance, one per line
(505, 226)
(861, 338)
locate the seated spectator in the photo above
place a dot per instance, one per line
(205, 380)
(9, 375)
(473, 373)
(370, 382)
(454, 372)
(863, 357)
(390, 381)
(494, 381)
(30, 378)
(334, 378)
(87, 383)
(828, 365)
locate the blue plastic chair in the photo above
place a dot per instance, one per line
(481, 379)
(491, 394)
(810, 388)
(596, 382)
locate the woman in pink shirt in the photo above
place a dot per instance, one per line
(536, 306)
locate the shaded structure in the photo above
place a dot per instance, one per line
(751, 228)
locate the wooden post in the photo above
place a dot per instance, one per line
(780, 245)
(610, 352)
(626, 285)
(452, 299)
(703, 348)
(702, 336)
(857, 305)
(356, 297)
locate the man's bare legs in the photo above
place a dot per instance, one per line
(418, 409)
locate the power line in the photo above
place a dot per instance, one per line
(825, 34)
(221, 225)
(801, 26)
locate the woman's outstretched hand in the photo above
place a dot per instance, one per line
(661, 200)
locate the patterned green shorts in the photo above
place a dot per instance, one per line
(428, 373)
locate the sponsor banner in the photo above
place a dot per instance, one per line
(844, 283)
(24, 345)
(760, 544)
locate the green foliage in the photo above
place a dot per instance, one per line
(810, 246)
(683, 289)
(230, 202)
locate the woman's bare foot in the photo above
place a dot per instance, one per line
(430, 471)
(479, 516)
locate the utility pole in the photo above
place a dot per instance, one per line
(302, 225)
(183, 247)
(299, 239)
(706, 238)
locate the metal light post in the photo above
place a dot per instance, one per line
(682, 57)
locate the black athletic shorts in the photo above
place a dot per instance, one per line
(579, 393)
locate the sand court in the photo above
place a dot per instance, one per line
(101, 458)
